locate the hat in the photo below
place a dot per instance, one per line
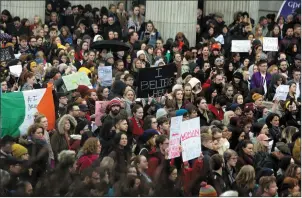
(283, 148)
(140, 52)
(234, 106)
(215, 46)
(181, 112)
(263, 137)
(148, 134)
(18, 150)
(161, 112)
(256, 96)
(85, 70)
(114, 102)
(82, 89)
(238, 75)
(207, 190)
(176, 86)
(298, 57)
(83, 107)
(108, 55)
(219, 15)
(193, 82)
(61, 94)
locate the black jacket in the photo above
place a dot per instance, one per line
(218, 182)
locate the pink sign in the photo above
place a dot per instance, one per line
(174, 140)
(100, 109)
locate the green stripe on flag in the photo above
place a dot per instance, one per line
(12, 113)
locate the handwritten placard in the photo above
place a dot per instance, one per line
(174, 140)
(241, 46)
(105, 75)
(190, 139)
(6, 54)
(281, 92)
(270, 44)
(155, 81)
(31, 98)
(100, 109)
(15, 70)
(72, 81)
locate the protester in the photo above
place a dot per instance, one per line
(67, 129)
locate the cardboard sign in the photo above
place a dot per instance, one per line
(72, 81)
(174, 140)
(241, 45)
(270, 44)
(155, 81)
(15, 70)
(6, 54)
(281, 92)
(190, 139)
(105, 75)
(100, 109)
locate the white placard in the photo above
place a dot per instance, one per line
(241, 45)
(190, 139)
(281, 92)
(105, 74)
(15, 70)
(270, 44)
(174, 140)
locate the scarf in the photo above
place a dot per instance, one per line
(23, 50)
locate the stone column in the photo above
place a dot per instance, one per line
(24, 9)
(170, 17)
(228, 8)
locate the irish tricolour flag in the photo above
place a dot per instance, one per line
(19, 108)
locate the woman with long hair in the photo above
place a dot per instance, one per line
(245, 181)
(245, 154)
(137, 120)
(229, 172)
(28, 81)
(261, 149)
(91, 151)
(121, 154)
(136, 20)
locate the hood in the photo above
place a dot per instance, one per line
(73, 124)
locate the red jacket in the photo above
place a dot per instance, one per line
(218, 114)
(137, 130)
(86, 160)
(190, 174)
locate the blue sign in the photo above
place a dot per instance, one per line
(289, 7)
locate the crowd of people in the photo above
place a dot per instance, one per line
(251, 140)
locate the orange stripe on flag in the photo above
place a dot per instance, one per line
(47, 107)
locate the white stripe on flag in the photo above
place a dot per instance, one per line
(31, 99)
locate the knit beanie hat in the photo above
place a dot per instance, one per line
(114, 102)
(256, 96)
(108, 55)
(207, 190)
(140, 52)
(161, 112)
(18, 150)
(181, 112)
(82, 89)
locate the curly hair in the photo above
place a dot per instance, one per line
(90, 146)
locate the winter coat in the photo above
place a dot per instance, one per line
(85, 161)
(257, 82)
(190, 174)
(203, 119)
(217, 181)
(154, 161)
(228, 177)
(272, 162)
(121, 159)
(258, 158)
(58, 140)
(218, 114)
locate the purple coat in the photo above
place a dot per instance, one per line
(257, 82)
